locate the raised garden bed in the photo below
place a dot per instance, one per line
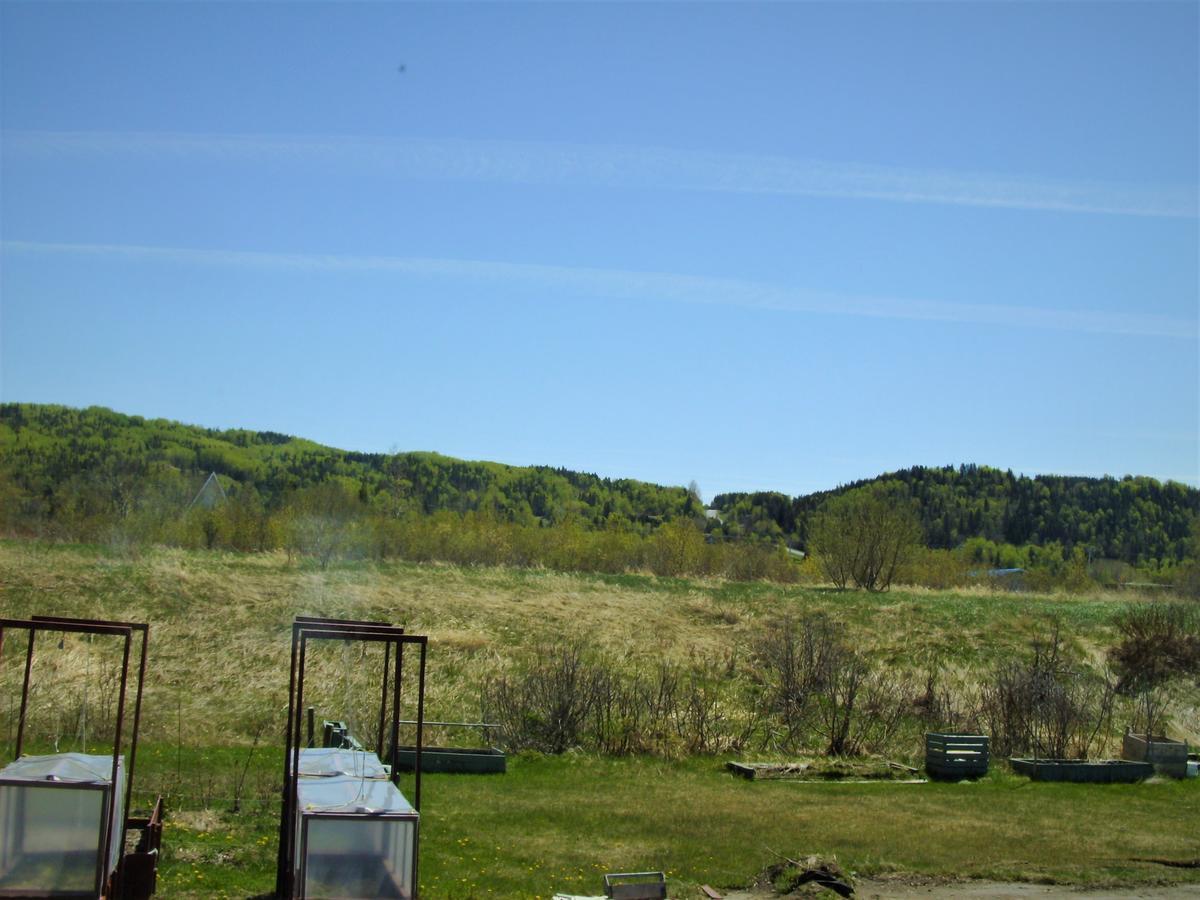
(473, 761)
(824, 771)
(1167, 756)
(1102, 771)
(955, 756)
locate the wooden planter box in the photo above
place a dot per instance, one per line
(474, 761)
(955, 756)
(1103, 771)
(1167, 756)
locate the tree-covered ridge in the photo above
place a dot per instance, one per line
(46, 449)
(1134, 519)
(94, 474)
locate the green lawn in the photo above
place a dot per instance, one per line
(557, 824)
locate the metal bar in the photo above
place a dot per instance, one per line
(294, 786)
(25, 695)
(416, 881)
(71, 626)
(452, 724)
(394, 757)
(387, 658)
(285, 809)
(116, 765)
(420, 730)
(321, 620)
(102, 857)
(374, 635)
(71, 620)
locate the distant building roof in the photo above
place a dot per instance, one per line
(211, 493)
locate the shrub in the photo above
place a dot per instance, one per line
(816, 686)
(1050, 706)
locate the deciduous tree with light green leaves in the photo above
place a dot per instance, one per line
(865, 536)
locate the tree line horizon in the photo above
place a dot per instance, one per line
(94, 476)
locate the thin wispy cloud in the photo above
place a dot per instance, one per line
(626, 285)
(654, 168)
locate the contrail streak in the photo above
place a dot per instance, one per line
(621, 284)
(647, 168)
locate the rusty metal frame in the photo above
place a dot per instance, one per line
(144, 629)
(305, 628)
(293, 721)
(104, 879)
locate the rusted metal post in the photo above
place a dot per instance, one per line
(281, 878)
(387, 649)
(25, 695)
(420, 731)
(394, 758)
(116, 765)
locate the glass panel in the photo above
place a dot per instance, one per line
(359, 858)
(49, 838)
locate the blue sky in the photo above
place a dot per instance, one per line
(775, 246)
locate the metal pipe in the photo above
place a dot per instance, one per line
(394, 758)
(25, 694)
(133, 741)
(420, 730)
(294, 786)
(387, 651)
(116, 764)
(281, 877)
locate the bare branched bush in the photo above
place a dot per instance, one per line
(569, 698)
(788, 656)
(1050, 706)
(547, 706)
(817, 687)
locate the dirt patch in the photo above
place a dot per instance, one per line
(196, 820)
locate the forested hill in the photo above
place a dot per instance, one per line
(1135, 519)
(55, 456)
(70, 472)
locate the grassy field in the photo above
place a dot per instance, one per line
(221, 622)
(216, 696)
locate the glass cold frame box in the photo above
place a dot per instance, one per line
(55, 822)
(356, 833)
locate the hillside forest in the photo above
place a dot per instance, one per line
(98, 476)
